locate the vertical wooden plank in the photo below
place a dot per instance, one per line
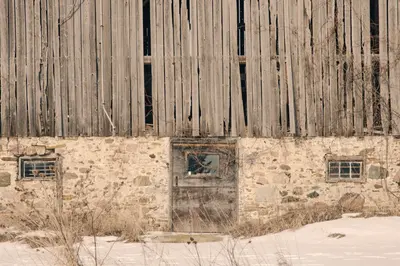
(57, 74)
(78, 85)
(37, 68)
(202, 65)
(234, 89)
(301, 22)
(325, 69)
(50, 80)
(43, 69)
(218, 83)
(275, 98)
(289, 68)
(30, 67)
(4, 69)
(125, 64)
(178, 67)
(341, 68)
(256, 79)
(349, 70)
(161, 72)
(309, 73)
(141, 95)
(85, 91)
(334, 114)
(100, 64)
(195, 65)
(393, 31)
(368, 97)
(317, 56)
(225, 61)
(122, 75)
(21, 70)
(357, 84)
(383, 60)
(64, 66)
(133, 25)
(93, 96)
(249, 66)
(169, 68)
(237, 97)
(154, 65)
(267, 90)
(283, 86)
(186, 68)
(295, 43)
(210, 67)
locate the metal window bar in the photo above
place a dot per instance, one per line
(38, 168)
(345, 169)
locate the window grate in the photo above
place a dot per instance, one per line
(345, 170)
(37, 168)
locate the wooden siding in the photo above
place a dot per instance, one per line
(310, 68)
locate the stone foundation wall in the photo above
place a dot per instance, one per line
(130, 175)
(277, 174)
(133, 173)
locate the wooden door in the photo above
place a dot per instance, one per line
(204, 186)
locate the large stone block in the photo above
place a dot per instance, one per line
(5, 179)
(352, 202)
(268, 194)
(142, 181)
(377, 172)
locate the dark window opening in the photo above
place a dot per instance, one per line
(241, 27)
(37, 168)
(244, 90)
(374, 15)
(146, 28)
(148, 94)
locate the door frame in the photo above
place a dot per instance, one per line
(201, 142)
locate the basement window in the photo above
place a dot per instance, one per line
(200, 164)
(37, 168)
(345, 169)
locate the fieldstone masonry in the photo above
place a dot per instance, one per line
(274, 174)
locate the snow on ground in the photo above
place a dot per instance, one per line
(372, 241)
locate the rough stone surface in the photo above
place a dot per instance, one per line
(377, 172)
(142, 181)
(298, 191)
(290, 199)
(313, 195)
(270, 171)
(352, 202)
(285, 167)
(5, 179)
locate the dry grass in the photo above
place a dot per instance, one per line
(293, 219)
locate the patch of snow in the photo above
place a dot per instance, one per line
(366, 242)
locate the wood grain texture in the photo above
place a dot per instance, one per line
(384, 73)
(195, 65)
(267, 89)
(357, 81)
(4, 70)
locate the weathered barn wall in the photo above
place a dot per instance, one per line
(198, 68)
(274, 175)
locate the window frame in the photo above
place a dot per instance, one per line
(345, 159)
(202, 175)
(21, 174)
